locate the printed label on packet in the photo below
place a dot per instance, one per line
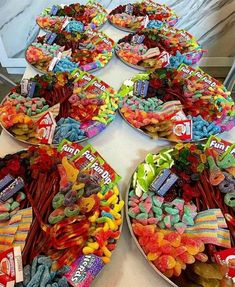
(27, 87)
(85, 80)
(129, 9)
(185, 71)
(84, 270)
(183, 129)
(137, 39)
(11, 268)
(54, 61)
(97, 87)
(218, 144)
(46, 120)
(68, 149)
(46, 134)
(141, 88)
(227, 258)
(90, 160)
(11, 189)
(50, 38)
(209, 81)
(54, 10)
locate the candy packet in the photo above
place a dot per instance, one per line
(220, 145)
(11, 269)
(90, 161)
(84, 270)
(68, 149)
(227, 257)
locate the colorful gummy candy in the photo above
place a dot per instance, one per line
(77, 216)
(177, 104)
(134, 16)
(76, 16)
(169, 251)
(40, 272)
(80, 104)
(158, 48)
(65, 51)
(181, 208)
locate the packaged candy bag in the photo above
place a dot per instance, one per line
(84, 270)
(89, 160)
(68, 149)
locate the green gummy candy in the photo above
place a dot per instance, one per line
(167, 221)
(175, 219)
(161, 225)
(187, 220)
(142, 216)
(132, 193)
(171, 211)
(156, 202)
(131, 213)
(157, 211)
(15, 205)
(29, 112)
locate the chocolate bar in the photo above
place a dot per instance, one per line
(54, 10)
(171, 180)
(129, 9)
(163, 182)
(11, 189)
(6, 181)
(141, 88)
(159, 180)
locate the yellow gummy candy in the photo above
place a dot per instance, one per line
(105, 259)
(71, 171)
(106, 251)
(87, 250)
(118, 207)
(93, 245)
(94, 217)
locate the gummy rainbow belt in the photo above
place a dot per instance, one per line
(210, 228)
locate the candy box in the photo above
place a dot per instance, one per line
(227, 257)
(84, 270)
(11, 270)
(90, 161)
(218, 144)
(69, 149)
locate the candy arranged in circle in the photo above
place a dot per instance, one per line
(60, 212)
(135, 16)
(48, 108)
(183, 104)
(181, 213)
(65, 51)
(158, 48)
(74, 17)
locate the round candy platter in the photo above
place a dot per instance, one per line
(180, 105)
(158, 48)
(65, 51)
(48, 108)
(135, 16)
(74, 17)
(181, 212)
(59, 212)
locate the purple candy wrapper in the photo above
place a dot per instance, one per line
(84, 270)
(92, 129)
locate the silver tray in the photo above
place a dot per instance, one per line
(36, 144)
(160, 138)
(44, 72)
(62, 5)
(137, 243)
(140, 68)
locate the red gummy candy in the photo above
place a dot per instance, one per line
(186, 258)
(174, 238)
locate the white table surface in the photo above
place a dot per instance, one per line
(123, 148)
